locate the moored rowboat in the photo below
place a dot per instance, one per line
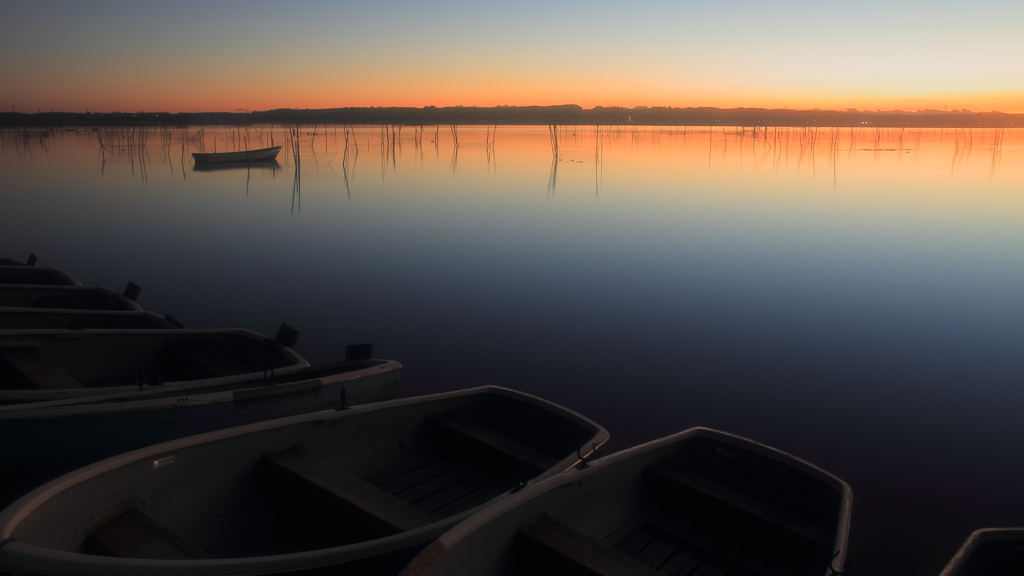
(39, 365)
(368, 486)
(58, 436)
(697, 502)
(240, 156)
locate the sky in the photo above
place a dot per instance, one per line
(183, 56)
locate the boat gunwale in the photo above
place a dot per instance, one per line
(977, 538)
(90, 405)
(450, 538)
(76, 563)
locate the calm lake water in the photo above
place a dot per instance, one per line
(852, 296)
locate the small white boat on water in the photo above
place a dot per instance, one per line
(241, 156)
(989, 552)
(358, 490)
(694, 503)
(40, 365)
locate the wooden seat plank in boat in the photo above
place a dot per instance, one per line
(573, 549)
(37, 370)
(473, 433)
(133, 534)
(349, 488)
(739, 500)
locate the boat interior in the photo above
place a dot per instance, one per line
(86, 359)
(358, 475)
(70, 297)
(700, 507)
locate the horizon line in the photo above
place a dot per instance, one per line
(929, 111)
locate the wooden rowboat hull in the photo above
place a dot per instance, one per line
(58, 436)
(700, 501)
(241, 156)
(354, 488)
(40, 365)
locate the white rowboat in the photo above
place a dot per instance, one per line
(361, 489)
(241, 156)
(40, 365)
(697, 502)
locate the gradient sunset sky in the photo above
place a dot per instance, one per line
(181, 56)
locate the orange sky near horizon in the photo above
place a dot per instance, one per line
(114, 55)
(236, 95)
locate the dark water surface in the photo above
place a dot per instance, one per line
(855, 298)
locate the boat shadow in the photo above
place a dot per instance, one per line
(272, 164)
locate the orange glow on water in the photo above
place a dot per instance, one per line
(895, 168)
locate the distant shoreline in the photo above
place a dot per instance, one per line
(527, 115)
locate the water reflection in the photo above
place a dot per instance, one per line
(273, 165)
(848, 155)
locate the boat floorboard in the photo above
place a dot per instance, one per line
(687, 543)
(442, 482)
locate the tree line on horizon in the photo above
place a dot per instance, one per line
(569, 114)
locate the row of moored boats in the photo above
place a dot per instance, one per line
(142, 446)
